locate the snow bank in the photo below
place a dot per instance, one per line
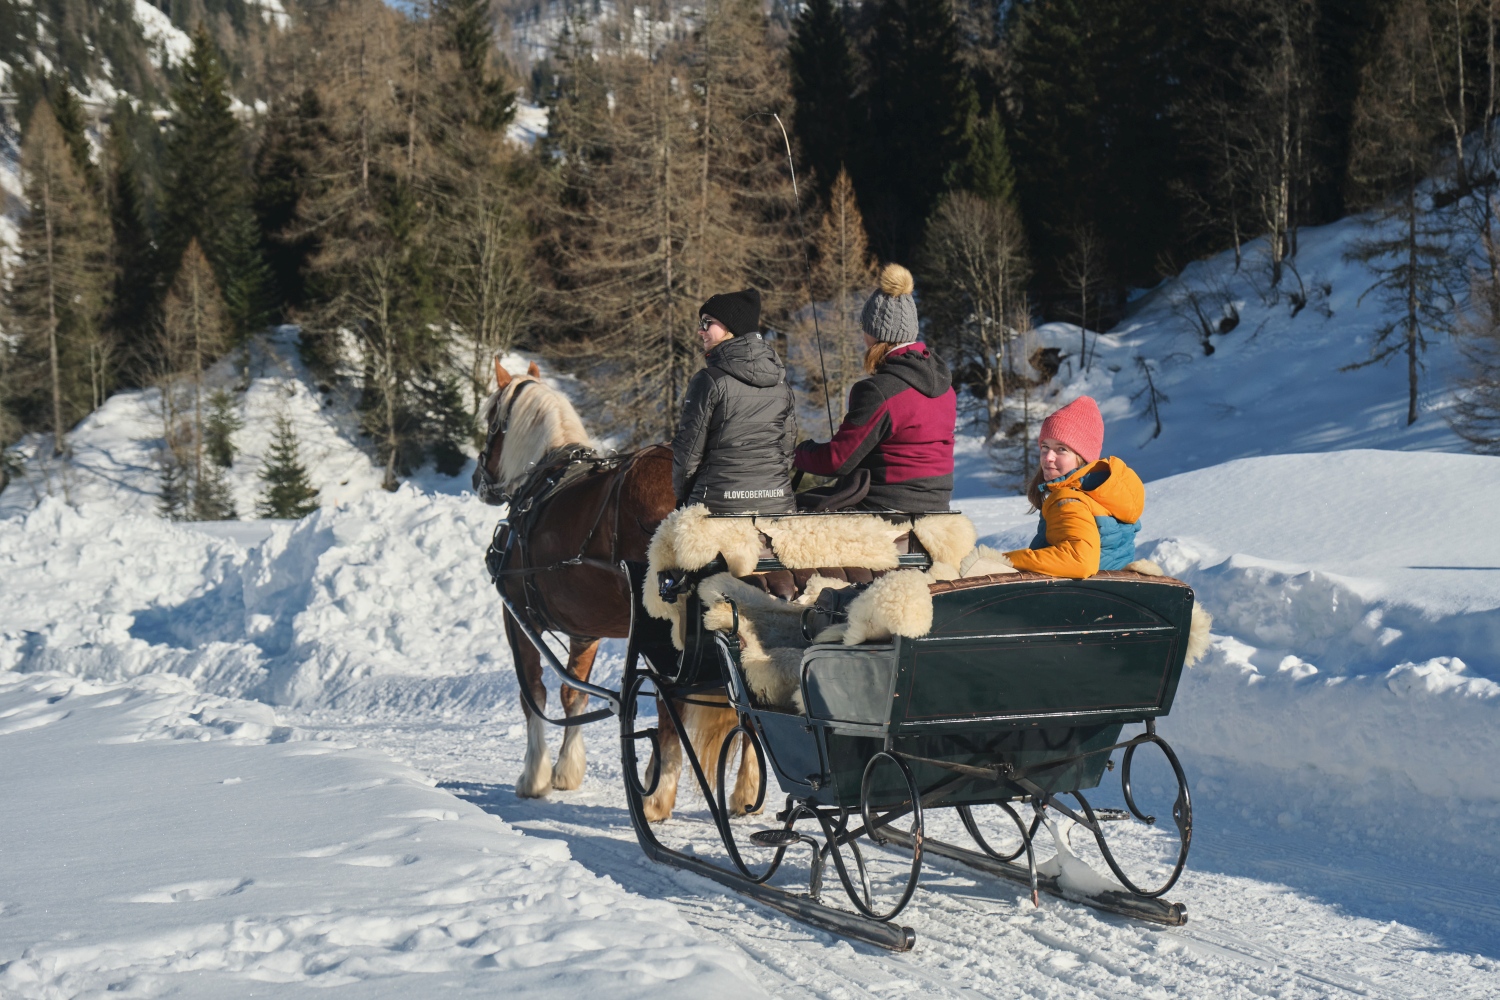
(1355, 655)
(392, 585)
(159, 840)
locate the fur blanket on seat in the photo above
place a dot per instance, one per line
(690, 539)
(771, 630)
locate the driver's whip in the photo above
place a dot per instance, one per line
(807, 263)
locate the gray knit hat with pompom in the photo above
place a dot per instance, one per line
(890, 314)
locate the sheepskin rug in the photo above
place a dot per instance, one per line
(691, 539)
(771, 629)
(1199, 635)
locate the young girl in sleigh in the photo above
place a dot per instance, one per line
(1091, 507)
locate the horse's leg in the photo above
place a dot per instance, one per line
(707, 729)
(567, 774)
(536, 775)
(748, 783)
(659, 804)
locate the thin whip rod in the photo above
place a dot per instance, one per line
(806, 262)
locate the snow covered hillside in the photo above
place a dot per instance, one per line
(115, 458)
(1273, 384)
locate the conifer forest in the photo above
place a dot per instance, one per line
(352, 167)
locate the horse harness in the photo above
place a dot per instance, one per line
(556, 471)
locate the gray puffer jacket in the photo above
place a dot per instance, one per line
(733, 450)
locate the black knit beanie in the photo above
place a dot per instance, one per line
(738, 311)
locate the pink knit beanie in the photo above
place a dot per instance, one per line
(1079, 426)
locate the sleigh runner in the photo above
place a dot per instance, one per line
(886, 670)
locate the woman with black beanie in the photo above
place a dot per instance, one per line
(733, 449)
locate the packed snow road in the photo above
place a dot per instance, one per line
(1271, 913)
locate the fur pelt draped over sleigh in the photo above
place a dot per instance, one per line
(897, 602)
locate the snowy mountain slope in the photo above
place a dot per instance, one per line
(286, 863)
(115, 450)
(1273, 384)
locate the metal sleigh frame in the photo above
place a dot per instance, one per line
(840, 826)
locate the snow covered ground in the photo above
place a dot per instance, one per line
(160, 840)
(257, 756)
(1343, 773)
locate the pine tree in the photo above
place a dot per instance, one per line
(822, 69)
(921, 107)
(211, 499)
(987, 169)
(284, 165)
(247, 280)
(175, 498)
(73, 121)
(487, 100)
(194, 332)
(207, 194)
(136, 266)
(1095, 83)
(287, 493)
(59, 292)
(219, 429)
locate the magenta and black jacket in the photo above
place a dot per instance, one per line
(900, 427)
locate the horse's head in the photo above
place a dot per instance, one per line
(524, 419)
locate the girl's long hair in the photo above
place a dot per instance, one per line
(1033, 488)
(875, 355)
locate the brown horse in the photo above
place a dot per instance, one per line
(565, 575)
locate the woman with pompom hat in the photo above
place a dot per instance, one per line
(899, 425)
(1091, 507)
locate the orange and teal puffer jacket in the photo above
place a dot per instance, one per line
(1089, 521)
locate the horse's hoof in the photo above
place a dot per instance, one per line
(534, 789)
(566, 782)
(656, 814)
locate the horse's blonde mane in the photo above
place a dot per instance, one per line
(542, 419)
